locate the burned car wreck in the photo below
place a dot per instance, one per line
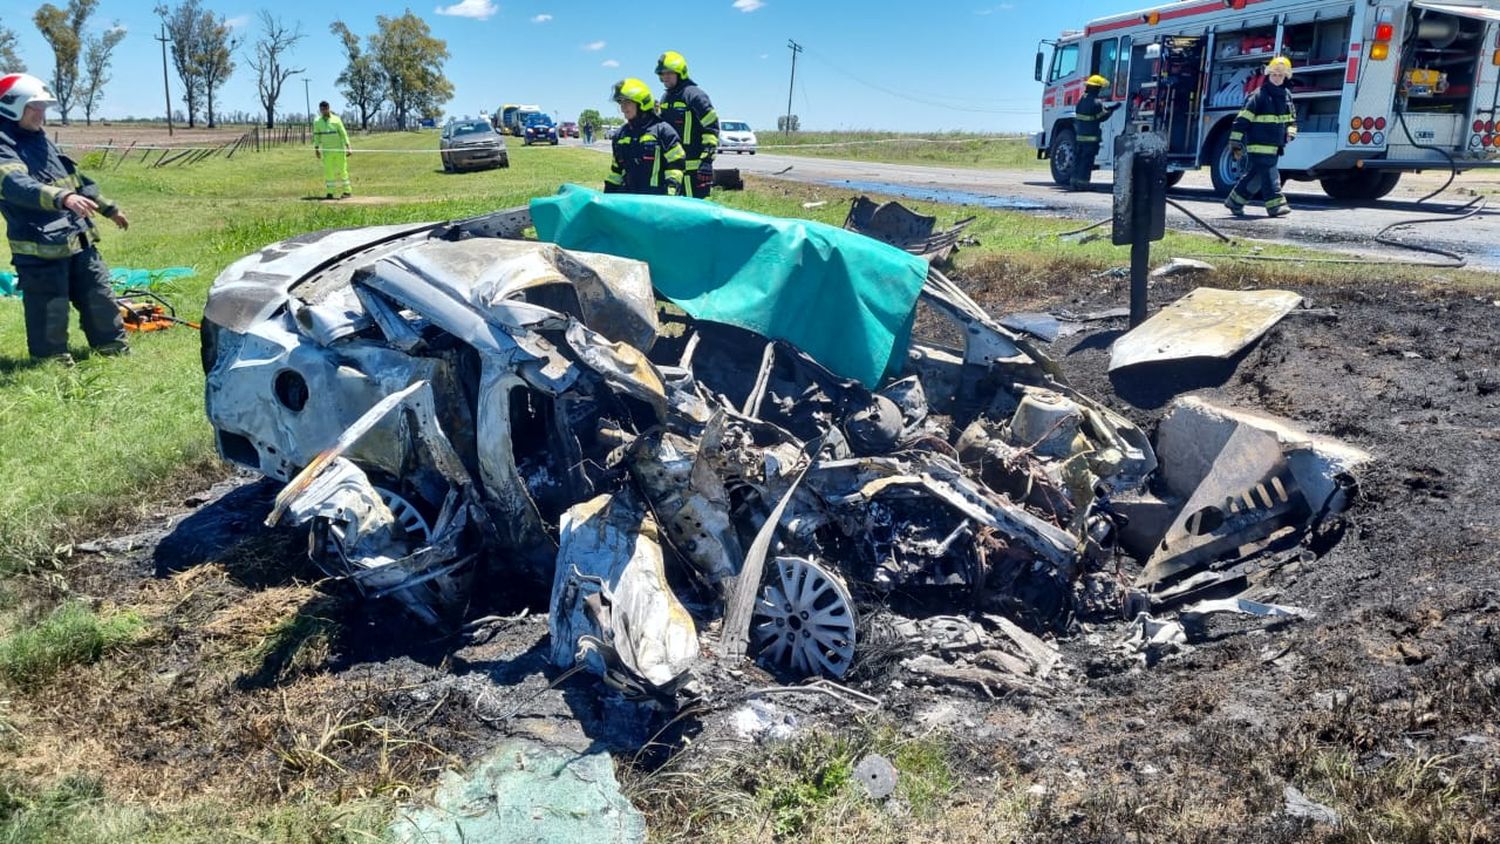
(708, 434)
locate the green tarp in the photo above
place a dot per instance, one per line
(119, 278)
(846, 300)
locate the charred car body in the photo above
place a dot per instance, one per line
(456, 408)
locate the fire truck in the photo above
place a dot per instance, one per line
(1381, 88)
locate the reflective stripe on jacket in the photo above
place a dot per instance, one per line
(35, 179)
(648, 158)
(1262, 124)
(1090, 114)
(688, 109)
(329, 133)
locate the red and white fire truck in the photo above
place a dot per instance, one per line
(1381, 87)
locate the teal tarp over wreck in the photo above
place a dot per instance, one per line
(846, 300)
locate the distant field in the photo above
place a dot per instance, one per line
(144, 134)
(952, 149)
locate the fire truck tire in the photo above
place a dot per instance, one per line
(1061, 154)
(1360, 186)
(1222, 167)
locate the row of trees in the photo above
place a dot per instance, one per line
(81, 61)
(399, 65)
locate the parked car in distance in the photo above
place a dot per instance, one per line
(568, 130)
(539, 130)
(736, 136)
(472, 145)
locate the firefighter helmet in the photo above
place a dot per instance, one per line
(1097, 81)
(18, 90)
(635, 91)
(672, 62)
(1280, 63)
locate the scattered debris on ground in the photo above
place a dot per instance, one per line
(699, 464)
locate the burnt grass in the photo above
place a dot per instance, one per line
(257, 683)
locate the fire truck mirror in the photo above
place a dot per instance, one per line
(1038, 65)
(1140, 198)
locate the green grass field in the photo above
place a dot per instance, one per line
(949, 149)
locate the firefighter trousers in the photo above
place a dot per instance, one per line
(335, 171)
(1261, 183)
(1083, 164)
(51, 285)
(700, 177)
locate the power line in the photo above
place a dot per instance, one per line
(922, 100)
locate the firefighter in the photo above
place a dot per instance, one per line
(1259, 136)
(648, 155)
(331, 144)
(687, 108)
(48, 208)
(1087, 126)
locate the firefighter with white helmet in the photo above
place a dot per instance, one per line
(1259, 136)
(688, 109)
(648, 155)
(1088, 122)
(48, 208)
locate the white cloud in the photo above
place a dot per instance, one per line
(1003, 7)
(477, 9)
(765, 55)
(609, 63)
(748, 5)
(594, 46)
(541, 18)
(238, 22)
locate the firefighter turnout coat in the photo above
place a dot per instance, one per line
(34, 180)
(1266, 123)
(648, 158)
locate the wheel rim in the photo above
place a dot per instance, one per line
(804, 621)
(1064, 156)
(1230, 169)
(411, 521)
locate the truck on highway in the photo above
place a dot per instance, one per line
(1381, 87)
(510, 118)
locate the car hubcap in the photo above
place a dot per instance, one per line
(804, 621)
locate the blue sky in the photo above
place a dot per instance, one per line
(879, 64)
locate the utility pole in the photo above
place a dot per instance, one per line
(307, 99)
(795, 48)
(165, 86)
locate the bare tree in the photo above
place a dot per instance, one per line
(361, 81)
(271, 72)
(63, 30)
(182, 28)
(10, 60)
(216, 46)
(98, 50)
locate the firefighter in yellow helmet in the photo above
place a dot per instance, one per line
(1260, 133)
(688, 109)
(331, 144)
(1088, 124)
(648, 155)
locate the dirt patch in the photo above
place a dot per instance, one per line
(256, 682)
(143, 134)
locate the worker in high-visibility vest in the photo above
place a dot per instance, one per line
(1259, 136)
(331, 144)
(1088, 120)
(688, 109)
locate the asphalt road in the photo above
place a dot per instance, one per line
(1316, 221)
